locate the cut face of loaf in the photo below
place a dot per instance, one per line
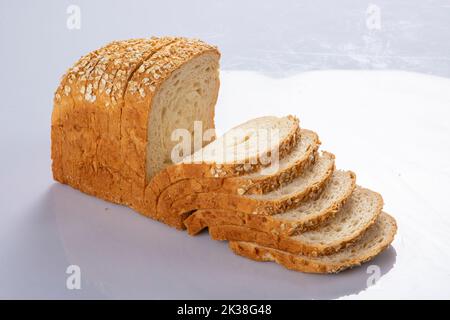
(114, 108)
(371, 243)
(307, 215)
(187, 96)
(358, 213)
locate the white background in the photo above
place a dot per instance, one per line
(390, 127)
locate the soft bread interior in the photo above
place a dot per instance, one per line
(317, 173)
(188, 95)
(358, 213)
(248, 142)
(337, 189)
(304, 151)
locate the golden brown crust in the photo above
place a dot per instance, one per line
(96, 147)
(87, 124)
(65, 101)
(311, 264)
(63, 104)
(109, 91)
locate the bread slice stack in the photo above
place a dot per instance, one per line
(133, 123)
(298, 211)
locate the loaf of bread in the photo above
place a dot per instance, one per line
(115, 109)
(133, 123)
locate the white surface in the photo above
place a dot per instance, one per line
(391, 128)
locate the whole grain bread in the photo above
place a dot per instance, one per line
(117, 115)
(376, 239)
(358, 213)
(103, 115)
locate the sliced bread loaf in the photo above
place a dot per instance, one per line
(358, 213)
(371, 243)
(307, 215)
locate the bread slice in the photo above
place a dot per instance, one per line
(376, 239)
(108, 113)
(243, 149)
(307, 215)
(308, 184)
(252, 143)
(358, 213)
(278, 173)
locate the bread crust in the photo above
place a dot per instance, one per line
(88, 120)
(307, 264)
(63, 106)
